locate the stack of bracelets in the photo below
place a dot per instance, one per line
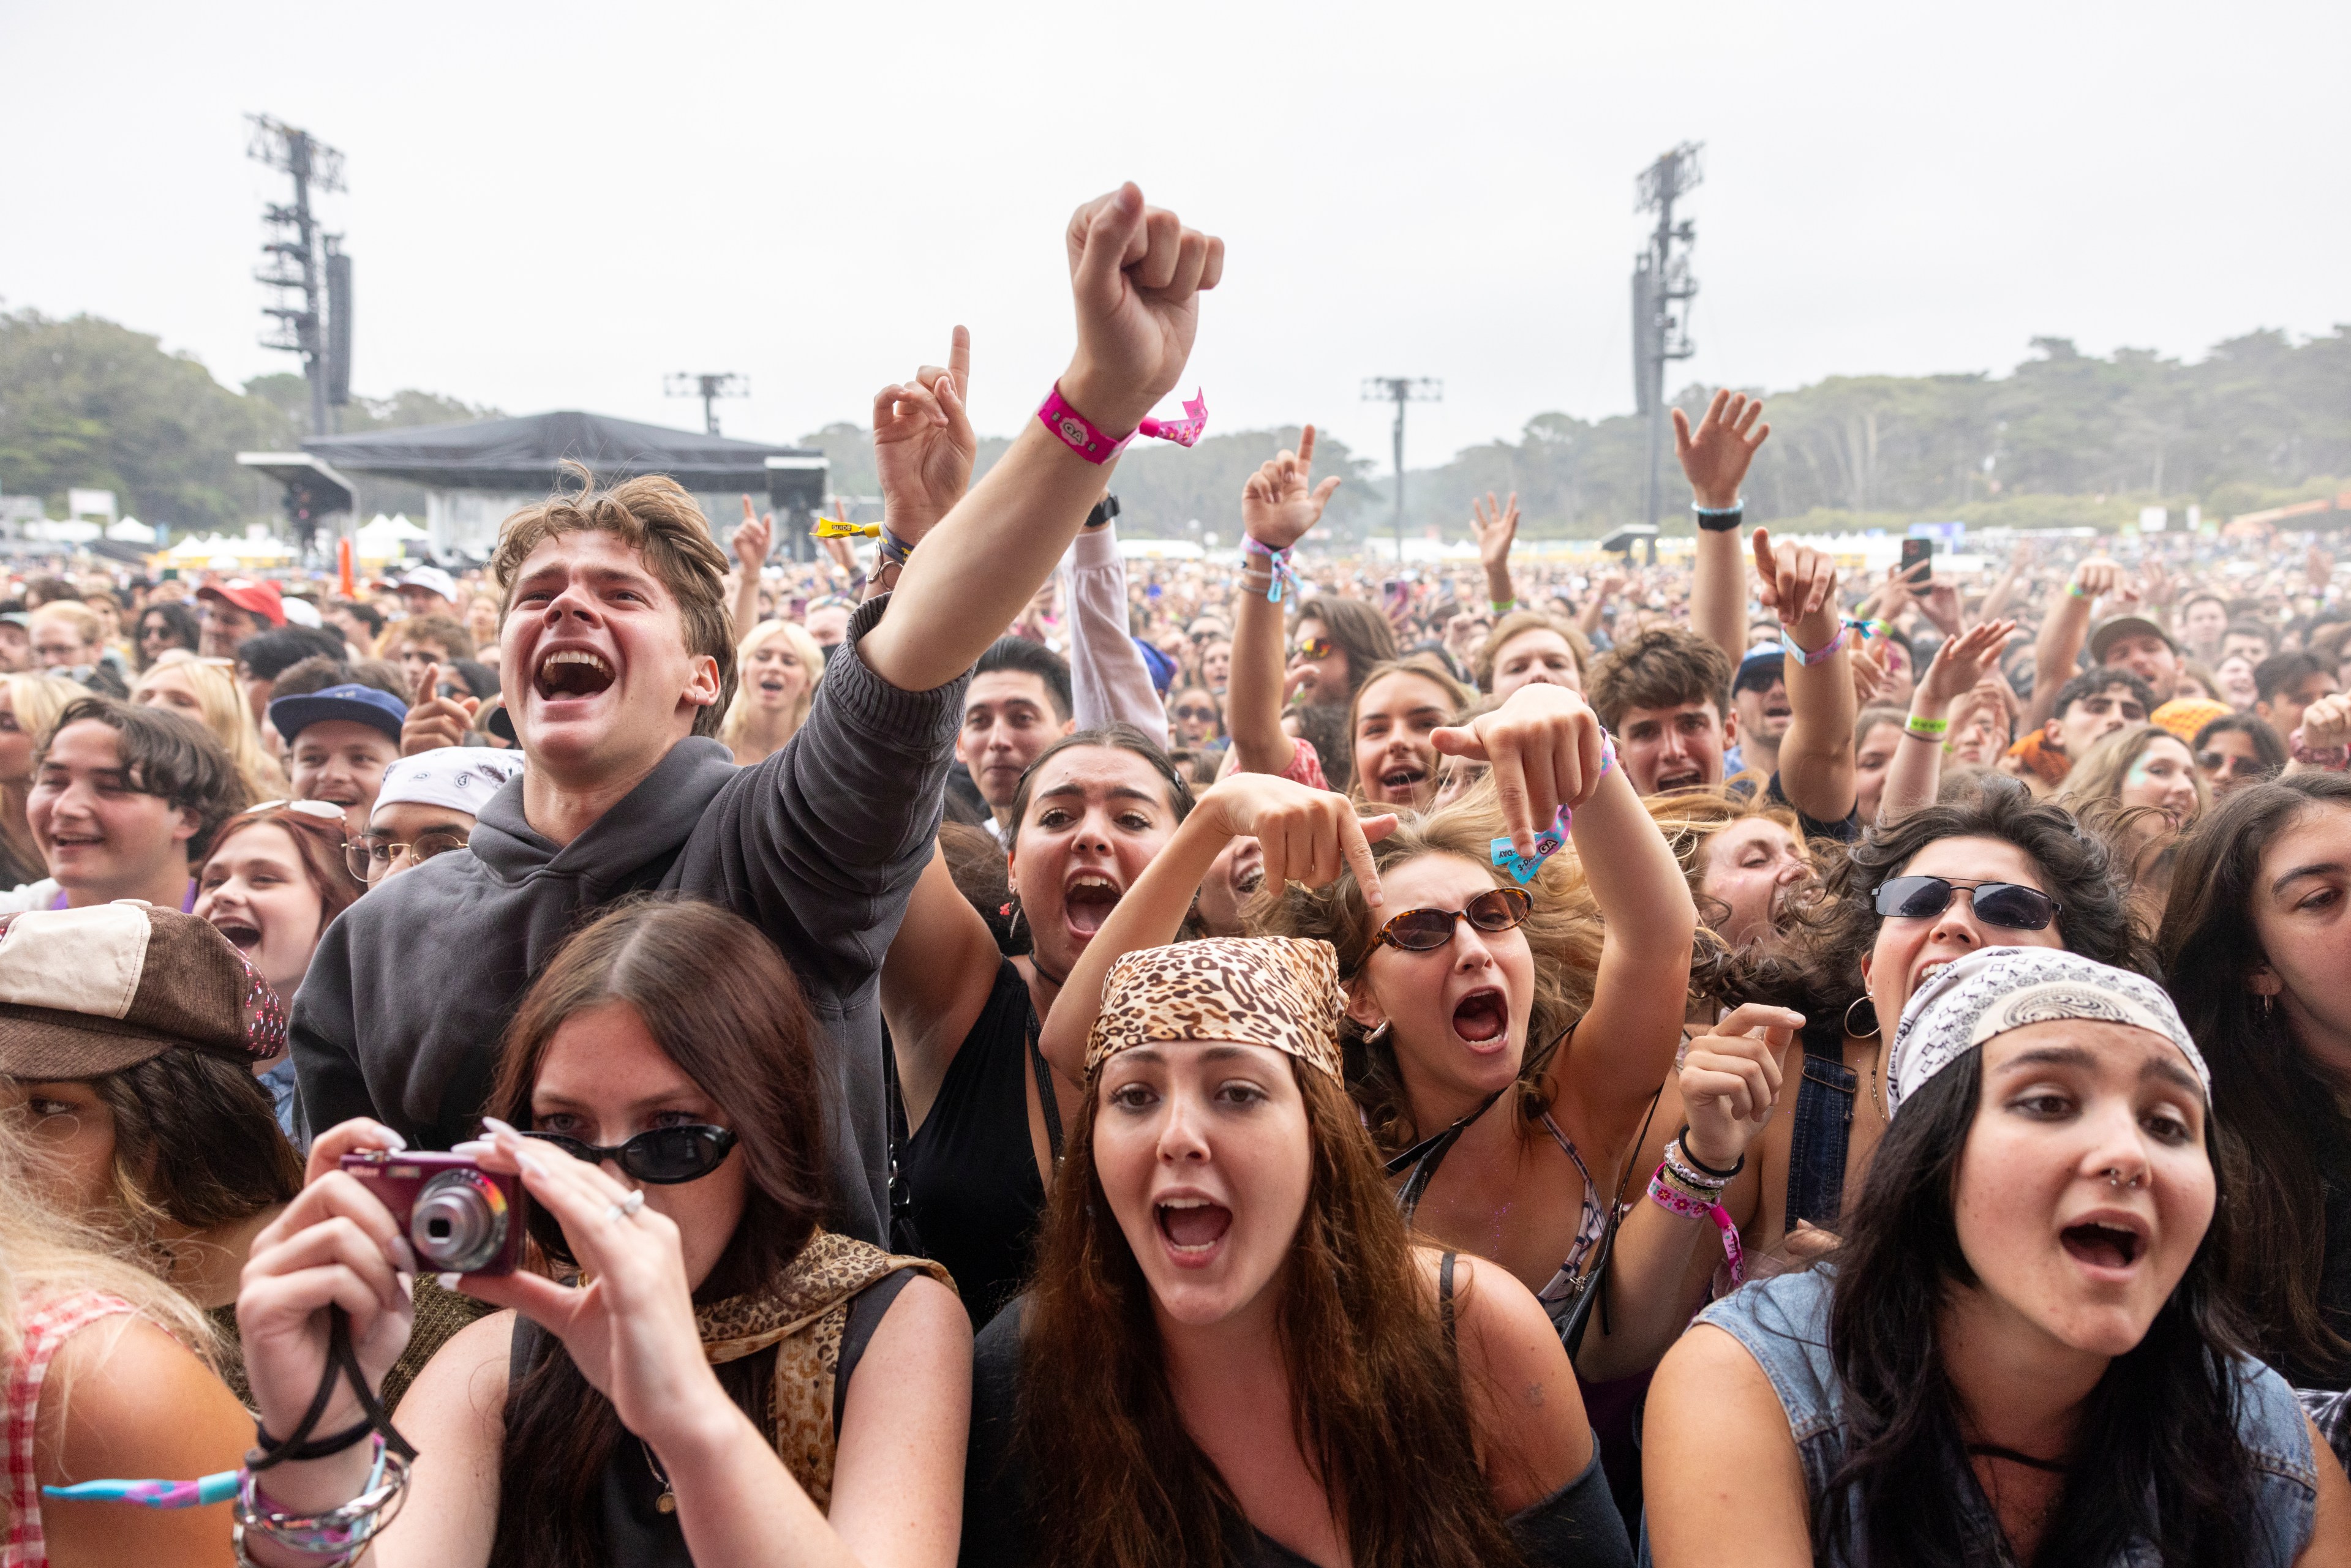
(1278, 574)
(1685, 1186)
(338, 1535)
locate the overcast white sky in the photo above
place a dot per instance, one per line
(550, 205)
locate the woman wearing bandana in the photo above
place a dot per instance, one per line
(2019, 1355)
(1232, 1351)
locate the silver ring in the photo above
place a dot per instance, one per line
(627, 1207)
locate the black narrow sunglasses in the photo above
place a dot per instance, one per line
(664, 1156)
(2004, 904)
(1426, 930)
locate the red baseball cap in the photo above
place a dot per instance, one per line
(252, 595)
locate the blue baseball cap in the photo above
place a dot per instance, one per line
(1161, 667)
(357, 704)
(1759, 667)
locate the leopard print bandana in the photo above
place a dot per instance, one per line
(1276, 991)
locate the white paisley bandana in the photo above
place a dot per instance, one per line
(1995, 989)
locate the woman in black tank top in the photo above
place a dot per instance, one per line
(983, 1113)
(702, 1369)
(1232, 1351)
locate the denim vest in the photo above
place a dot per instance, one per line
(1784, 1324)
(1822, 1130)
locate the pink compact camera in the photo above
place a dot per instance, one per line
(460, 1218)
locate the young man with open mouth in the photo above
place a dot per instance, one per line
(617, 657)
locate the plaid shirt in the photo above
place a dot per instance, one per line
(43, 1326)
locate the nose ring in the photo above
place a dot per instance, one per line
(2115, 1178)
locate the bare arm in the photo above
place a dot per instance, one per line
(1715, 458)
(1718, 1462)
(1137, 275)
(1996, 602)
(935, 978)
(897, 1474)
(1816, 768)
(1587, 619)
(1279, 505)
(1912, 778)
(2063, 631)
(1533, 1435)
(1496, 525)
(1730, 1082)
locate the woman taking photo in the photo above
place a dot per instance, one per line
(780, 665)
(2021, 1355)
(2257, 947)
(731, 1384)
(1250, 1325)
(275, 878)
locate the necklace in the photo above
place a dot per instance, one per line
(667, 1501)
(1876, 1091)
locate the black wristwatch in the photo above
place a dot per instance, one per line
(1104, 510)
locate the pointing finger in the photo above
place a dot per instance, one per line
(1306, 448)
(1358, 851)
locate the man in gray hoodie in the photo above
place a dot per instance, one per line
(616, 655)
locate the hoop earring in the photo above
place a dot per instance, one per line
(1010, 910)
(1861, 1001)
(1378, 1034)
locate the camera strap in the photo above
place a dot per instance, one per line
(342, 1364)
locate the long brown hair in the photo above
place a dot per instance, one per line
(1563, 931)
(317, 845)
(721, 1003)
(1375, 1391)
(2276, 1102)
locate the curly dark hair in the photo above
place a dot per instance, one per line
(1829, 935)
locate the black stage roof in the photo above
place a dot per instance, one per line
(524, 454)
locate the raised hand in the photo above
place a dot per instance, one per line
(2326, 721)
(1730, 1081)
(754, 538)
(841, 555)
(1869, 676)
(1543, 746)
(923, 446)
(1940, 605)
(1498, 527)
(1960, 663)
(335, 1244)
(1795, 579)
(1280, 502)
(2318, 568)
(2098, 578)
(434, 721)
(630, 1329)
(1308, 836)
(1136, 273)
(1715, 456)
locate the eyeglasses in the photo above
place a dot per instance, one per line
(1426, 930)
(371, 862)
(1312, 648)
(664, 1156)
(2228, 765)
(2004, 904)
(1188, 711)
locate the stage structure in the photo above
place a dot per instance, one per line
(478, 472)
(306, 267)
(1400, 390)
(1662, 290)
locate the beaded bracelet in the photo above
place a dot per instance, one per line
(1674, 1202)
(344, 1530)
(1705, 1192)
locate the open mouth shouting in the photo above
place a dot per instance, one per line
(242, 934)
(2106, 1244)
(1192, 1227)
(1398, 783)
(571, 673)
(1482, 1018)
(1087, 899)
(1686, 778)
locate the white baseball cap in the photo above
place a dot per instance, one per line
(458, 777)
(433, 578)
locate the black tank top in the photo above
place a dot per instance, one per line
(637, 1534)
(970, 1170)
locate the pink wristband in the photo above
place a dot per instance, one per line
(1688, 1208)
(1076, 431)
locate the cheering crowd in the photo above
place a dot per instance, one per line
(971, 1050)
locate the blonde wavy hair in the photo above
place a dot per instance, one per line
(37, 700)
(1563, 933)
(222, 707)
(737, 721)
(48, 1251)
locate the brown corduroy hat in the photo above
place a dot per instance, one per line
(85, 992)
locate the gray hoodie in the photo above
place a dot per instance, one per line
(819, 845)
